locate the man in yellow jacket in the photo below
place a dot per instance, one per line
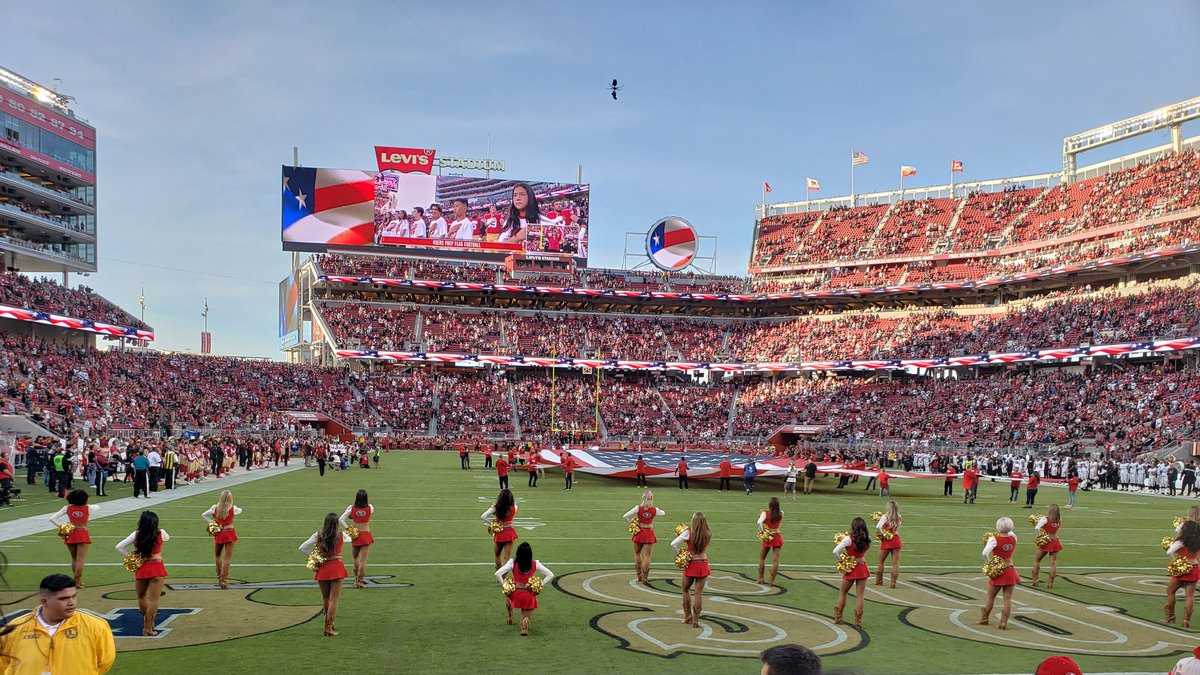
(57, 639)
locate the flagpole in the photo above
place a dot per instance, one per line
(952, 179)
(852, 176)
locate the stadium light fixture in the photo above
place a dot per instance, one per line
(35, 90)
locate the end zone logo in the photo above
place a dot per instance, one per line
(405, 160)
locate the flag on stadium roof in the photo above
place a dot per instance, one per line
(858, 158)
(956, 165)
(906, 170)
(330, 206)
(766, 186)
(812, 184)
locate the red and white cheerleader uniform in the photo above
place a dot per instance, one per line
(227, 535)
(361, 515)
(522, 598)
(508, 533)
(698, 567)
(893, 544)
(333, 568)
(860, 571)
(1003, 545)
(1177, 549)
(1051, 529)
(152, 568)
(79, 517)
(645, 520)
(777, 540)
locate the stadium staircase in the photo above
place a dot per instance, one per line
(366, 402)
(946, 243)
(1007, 234)
(512, 403)
(733, 403)
(328, 334)
(869, 244)
(432, 429)
(679, 431)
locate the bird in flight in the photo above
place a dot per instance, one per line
(614, 89)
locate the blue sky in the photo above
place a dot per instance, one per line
(196, 109)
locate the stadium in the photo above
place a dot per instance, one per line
(940, 350)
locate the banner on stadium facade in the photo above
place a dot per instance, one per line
(86, 325)
(413, 212)
(1052, 355)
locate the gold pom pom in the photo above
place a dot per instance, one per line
(766, 534)
(683, 558)
(132, 562)
(876, 515)
(887, 535)
(1178, 522)
(837, 538)
(213, 528)
(996, 566)
(65, 530)
(315, 560)
(634, 528)
(507, 586)
(1034, 518)
(988, 535)
(352, 532)
(535, 584)
(1041, 540)
(679, 529)
(846, 564)
(1167, 541)
(1180, 566)
(495, 527)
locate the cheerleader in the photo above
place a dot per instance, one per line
(644, 540)
(1193, 515)
(147, 541)
(360, 512)
(855, 545)
(770, 519)
(222, 513)
(523, 568)
(503, 511)
(328, 541)
(697, 538)
(1003, 544)
(889, 523)
(78, 513)
(1049, 524)
(1186, 545)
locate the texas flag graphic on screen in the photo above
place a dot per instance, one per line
(671, 244)
(328, 206)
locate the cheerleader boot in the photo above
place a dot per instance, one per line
(1169, 612)
(858, 618)
(687, 611)
(837, 614)
(525, 625)
(983, 615)
(1003, 620)
(894, 577)
(329, 631)
(879, 576)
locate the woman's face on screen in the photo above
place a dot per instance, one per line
(520, 198)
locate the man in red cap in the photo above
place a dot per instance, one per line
(1058, 665)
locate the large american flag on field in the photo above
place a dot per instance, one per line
(328, 206)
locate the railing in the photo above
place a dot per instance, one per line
(47, 222)
(43, 190)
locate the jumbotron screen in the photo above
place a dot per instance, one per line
(418, 213)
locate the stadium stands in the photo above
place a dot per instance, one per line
(46, 295)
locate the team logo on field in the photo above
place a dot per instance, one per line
(739, 617)
(949, 604)
(196, 611)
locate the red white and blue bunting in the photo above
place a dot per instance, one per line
(1054, 355)
(45, 318)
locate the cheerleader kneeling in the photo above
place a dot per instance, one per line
(696, 537)
(324, 549)
(854, 545)
(143, 552)
(1002, 576)
(523, 591)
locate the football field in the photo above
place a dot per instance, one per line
(432, 604)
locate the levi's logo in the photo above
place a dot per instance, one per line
(405, 160)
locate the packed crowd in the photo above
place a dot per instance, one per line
(46, 295)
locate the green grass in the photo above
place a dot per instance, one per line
(451, 617)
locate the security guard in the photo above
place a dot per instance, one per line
(56, 638)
